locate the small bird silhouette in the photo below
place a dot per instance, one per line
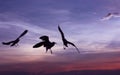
(46, 43)
(14, 42)
(111, 15)
(66, 42)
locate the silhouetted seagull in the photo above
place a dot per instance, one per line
(111, 15)
(66, 42)
(14, 42)
(46, 43)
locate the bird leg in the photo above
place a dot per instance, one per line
(17, 45)
(46, 51)
(51, 51)
(77, 49)
(64, 47)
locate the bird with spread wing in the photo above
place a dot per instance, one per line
(46, 43)
(65, 41)
(15, 42)
(111, 15)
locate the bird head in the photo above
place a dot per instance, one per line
(54, 43)
(44, 38)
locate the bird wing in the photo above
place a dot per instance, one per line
(62, 34)
(38, 44)
(74, 46)
(23, 33)
(11, 43)
(7, 43)
(44, 38)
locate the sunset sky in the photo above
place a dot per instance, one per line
(98, 40)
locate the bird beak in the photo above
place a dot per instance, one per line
(55, 43)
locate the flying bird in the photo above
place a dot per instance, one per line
(65, 41)
(15, 42)
(110, 15)
(46, 43)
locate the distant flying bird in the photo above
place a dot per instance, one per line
(66, 42)
(46, 43)
(110, 15)
(14, 42)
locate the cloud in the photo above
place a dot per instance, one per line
(114, 45)
(20, 23)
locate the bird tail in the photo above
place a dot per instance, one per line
(77, 49)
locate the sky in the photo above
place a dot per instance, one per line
(98, 40)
